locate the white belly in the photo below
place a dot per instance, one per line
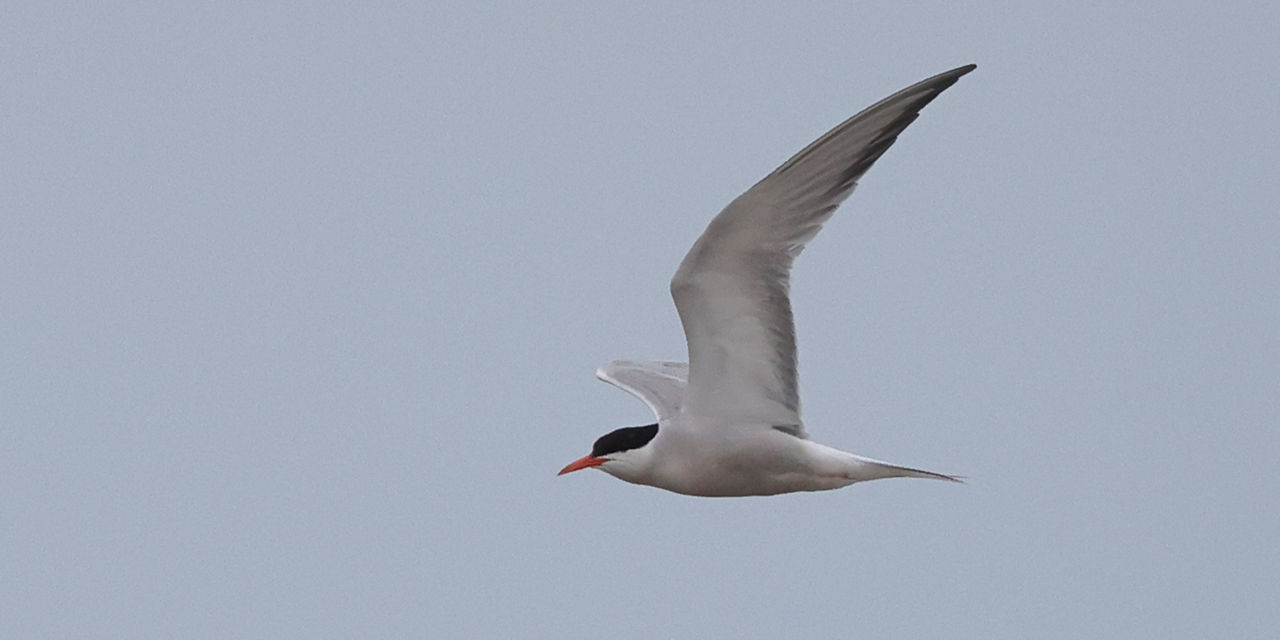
(754, 463)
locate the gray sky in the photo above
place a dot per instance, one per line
(301, 310)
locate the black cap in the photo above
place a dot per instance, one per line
(623, 439)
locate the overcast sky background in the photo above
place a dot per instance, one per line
(300, 310)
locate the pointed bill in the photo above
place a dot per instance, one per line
(582, 463)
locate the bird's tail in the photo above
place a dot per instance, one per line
(869, 469)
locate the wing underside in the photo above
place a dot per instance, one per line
(661, 385)
(732, 289)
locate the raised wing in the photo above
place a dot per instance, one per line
(660, 384)
(732, 288)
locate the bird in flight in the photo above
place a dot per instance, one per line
(728, 421)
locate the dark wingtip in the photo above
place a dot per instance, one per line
(944, 80)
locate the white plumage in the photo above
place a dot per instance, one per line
(729, 421)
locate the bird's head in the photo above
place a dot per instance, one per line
(624, 453)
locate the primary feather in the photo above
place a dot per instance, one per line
(732, 289)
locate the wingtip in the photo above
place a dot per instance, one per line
(959, 71)
(950, 77)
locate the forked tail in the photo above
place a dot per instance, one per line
(869, 469)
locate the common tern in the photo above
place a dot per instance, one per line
(728, 421)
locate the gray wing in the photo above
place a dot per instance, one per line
(732, 288)
(660, 384)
